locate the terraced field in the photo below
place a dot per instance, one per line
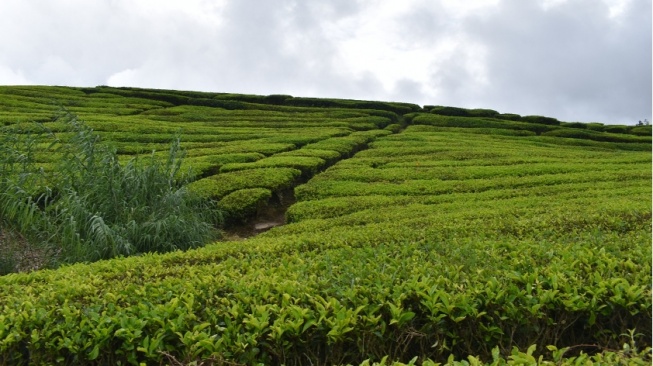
(273, 146)
(416, 237)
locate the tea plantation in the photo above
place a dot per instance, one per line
(420, 235)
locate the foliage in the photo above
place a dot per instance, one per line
(219, 185)
(307, 164)
(462, 112)
(399, 108)
(536, 124)
(597, 136)
(329, 156)
(457, 240)
(579, 125)
(450, 111)
(91, 207)
(509, 116)
(340, 296)
(616, 129)
(541, 120)
(240, 205)
(469, 122)
(630, 354)
(394, 128)
(595, 126)
(642, 130)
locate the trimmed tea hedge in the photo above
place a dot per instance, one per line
(490, 240)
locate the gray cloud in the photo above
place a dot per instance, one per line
(283, 47)
(571, 61)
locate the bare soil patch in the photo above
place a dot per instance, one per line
(269, 216)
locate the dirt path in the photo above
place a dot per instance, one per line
(274, 214)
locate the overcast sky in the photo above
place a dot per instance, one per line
(576, 60)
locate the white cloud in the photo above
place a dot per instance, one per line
(617, 8)
(468, 7)
(55, 70)
(128, 77)
(12, 77)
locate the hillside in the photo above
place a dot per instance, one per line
(412, 233)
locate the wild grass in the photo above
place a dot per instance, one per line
(90, 206)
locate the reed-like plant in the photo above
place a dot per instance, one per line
(89, 206)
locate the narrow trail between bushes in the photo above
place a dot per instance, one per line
(273, 214)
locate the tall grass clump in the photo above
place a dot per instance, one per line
(87, 206)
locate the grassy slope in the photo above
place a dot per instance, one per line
(444, 238)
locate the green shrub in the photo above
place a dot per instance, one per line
(225, 104)
(343, 145)
(319, 296)
(207, 165)
(579, 125)
(462, 112)
(450, 111)
(616, 129)
(329, 156)
(278, 99)
(408, 118)
(374, 121)
(480, 112)
(541, 120)
(243, 147)
(398, 108)
(478, 130)
(218, 186)
(509, 116)
(172, 98)
(295, 139)
(248, 98)
(242, 204)
(595, 126)
(394, 128)
(476, 122)
(597, 136)
(309, 165)
(641, 130)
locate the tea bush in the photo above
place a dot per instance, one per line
(450, 111)
(468, 122)
(541, 120)
(509, 116)
(219, 185)
(597, 136)
(578, 125)
(616, 129)
(243, 204)
(642, 130)
(307, 164)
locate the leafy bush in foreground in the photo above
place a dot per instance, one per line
(91, 207)
(336, 297)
